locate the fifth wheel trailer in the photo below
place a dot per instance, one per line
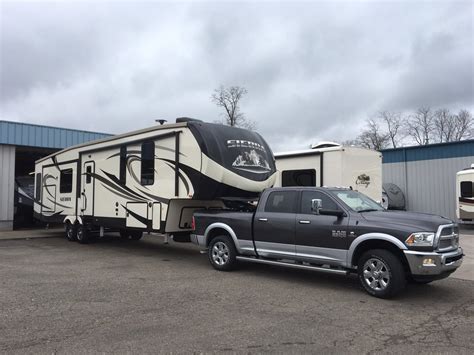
(151, 180)
(331, 164)
(465, 195)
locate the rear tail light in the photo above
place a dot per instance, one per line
(193, 224)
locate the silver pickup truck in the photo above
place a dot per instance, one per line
(332, 230)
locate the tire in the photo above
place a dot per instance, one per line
(83, 235)
(71, 232)
(136, 235)
(124, 234)
(222, 253)
(381, 273)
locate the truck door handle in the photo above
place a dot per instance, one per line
(305, 222)
(263, 219)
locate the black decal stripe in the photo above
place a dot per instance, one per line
(58, 204)
(126, 189)
(137, 216)
(157, 198)
(117, 187)
(118, 194)
(182, 177)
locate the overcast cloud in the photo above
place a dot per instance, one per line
(314, 70)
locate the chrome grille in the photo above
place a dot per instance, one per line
(448, 238)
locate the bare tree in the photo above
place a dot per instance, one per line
(394, 123)
(373, 137)
(443, 125)
(463, 125)
(419, 126)
(229, 99)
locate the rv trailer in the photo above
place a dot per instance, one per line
(151, 180)
(465, 195)
(331, 164)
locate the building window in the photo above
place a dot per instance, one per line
(65, 181)
(123, 165)
(466, 189)
(305, 177)
(282, 202)
(38, 187)
(148, 163)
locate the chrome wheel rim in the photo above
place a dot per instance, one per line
(69, 232)
(376, 274)
(220, 253)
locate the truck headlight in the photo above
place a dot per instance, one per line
(421, 239)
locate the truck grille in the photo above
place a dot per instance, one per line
(448, 238)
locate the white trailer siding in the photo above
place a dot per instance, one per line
(7, 186)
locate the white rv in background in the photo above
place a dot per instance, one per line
(150, 180)
(465, 194)
(331, 164)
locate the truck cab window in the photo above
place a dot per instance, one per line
(65, 181)
(466, 189)
(148, 163)
(282, 202)
(327, 202)
(304, 177)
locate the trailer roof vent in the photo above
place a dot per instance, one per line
(187, 119)
(324, 145)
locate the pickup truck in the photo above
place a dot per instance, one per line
(333, 230)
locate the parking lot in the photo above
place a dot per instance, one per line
(116, 296)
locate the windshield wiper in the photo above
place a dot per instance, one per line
(368, 210)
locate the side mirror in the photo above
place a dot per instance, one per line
(316, 205)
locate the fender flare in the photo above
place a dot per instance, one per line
(72, 219)
(372, 236)
(224, 226)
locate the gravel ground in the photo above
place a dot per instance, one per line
(115, 296)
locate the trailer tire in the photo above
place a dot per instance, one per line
(222, 253)
(136, 235)
(83, 235)
(71, 232)
(381, 273)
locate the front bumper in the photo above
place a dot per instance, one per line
(439, 265)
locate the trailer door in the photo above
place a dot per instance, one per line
(87, 195)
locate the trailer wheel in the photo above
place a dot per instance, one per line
(381, 273)
(71, 232)
(136, 235)
(83, 235)
(131, 234)
(222, 253)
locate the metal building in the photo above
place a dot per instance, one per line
(21, 145)
(427, 174)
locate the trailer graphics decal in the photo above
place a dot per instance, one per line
(363, 179)
(250, 156)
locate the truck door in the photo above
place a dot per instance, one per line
(274, 225)
(87, 194)
(321, 238)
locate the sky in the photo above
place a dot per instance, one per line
(314, 70)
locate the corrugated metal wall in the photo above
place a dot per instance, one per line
(429, 185)
(7, 184)
(16, 133)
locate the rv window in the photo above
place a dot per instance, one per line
(148, 163)
(123, 165)
(282, 202)
(466, 189)
(38, 187)
(305, 177)
(65, 181)
(88, 174)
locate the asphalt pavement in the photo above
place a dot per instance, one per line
(117, 296)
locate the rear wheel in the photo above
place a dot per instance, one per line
(222, 253)
(381, 273)
(83, 235)
(71, 232)
(131, 234)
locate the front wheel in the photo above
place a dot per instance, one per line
(222, 253)
(381, 273)
(71, 232)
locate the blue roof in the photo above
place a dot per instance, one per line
(428, 152)
(32, 135)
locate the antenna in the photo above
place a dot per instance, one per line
(161, 121)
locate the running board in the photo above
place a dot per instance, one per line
(296, 266)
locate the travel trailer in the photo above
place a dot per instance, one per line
(331, 164)
(465, 194)
(151, 180)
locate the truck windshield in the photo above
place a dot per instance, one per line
(357, 201)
